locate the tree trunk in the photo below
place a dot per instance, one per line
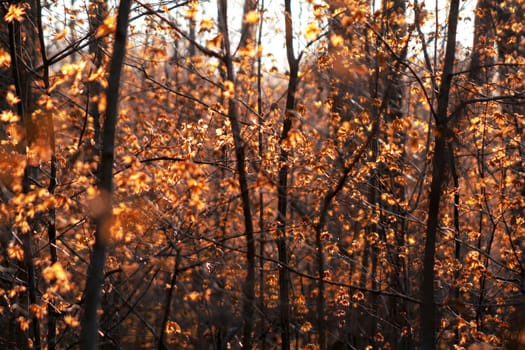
(282, 187)
(249, 284)
(95, 277)
(439, 166)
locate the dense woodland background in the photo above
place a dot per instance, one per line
(340, 174)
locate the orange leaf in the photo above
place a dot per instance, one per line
(5, 59)
(107, 27)
(15, 12)
(252, 17)
(11, 98)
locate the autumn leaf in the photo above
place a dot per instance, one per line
(172, 327)
(23, 323)
(102, 103)
(9, 117)
(15, 252)
(214, 43)
(192, 11)
(57, 274)
(306, 327)
(206, 25)
(312, 31)
(252, 17)
(336, 40)
(11, 98)
(71, 321)
(15, 12)
(38, 311)
(108, 26)
(99, 75)
(229, 88)
(55, 271)
(5, 59)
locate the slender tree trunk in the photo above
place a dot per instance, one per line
(22, 82)
(95, 277)
(249, 284)
(439, 166)
(262, 233)
(51, 220)
(247, 29)
(394, 92)
(483, 38)
(167, 304)
(282, 187)
(96, 50)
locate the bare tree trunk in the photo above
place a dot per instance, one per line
(22, 81)
(96, 50)
(167, 303)
(483, 38)
(247, 29)
(249, 284)
(51, 220)
(439, 166)
(282, 187)
(95, 277)
(262, 229)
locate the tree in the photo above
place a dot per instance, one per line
(439, 166)
(95, 275)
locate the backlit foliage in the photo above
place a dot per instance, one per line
(360, 150)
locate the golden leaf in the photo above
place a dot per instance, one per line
(15, 252)
(191, 12)
(71, 321)
(15, 12)
(5, 59)
(252, 17)
(247, 51)
(306, 327)
(11, 98)
(107, 27)
(53, 272)
(214, 43)
(172, 327)
(138, 181)
(23, 323)
(102, 104)
(9, 117)
(99, 77)
(312, 31)
(229, 88)
(38, 311)
(24, 226)
(336, 40)
(193, 296)
(56, 273)
(206, 25)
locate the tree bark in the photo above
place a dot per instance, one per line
(282, 187)
(439, 166)
(249, 284)
(483, 38)
(95, 277)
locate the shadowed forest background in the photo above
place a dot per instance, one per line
(339, 174)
